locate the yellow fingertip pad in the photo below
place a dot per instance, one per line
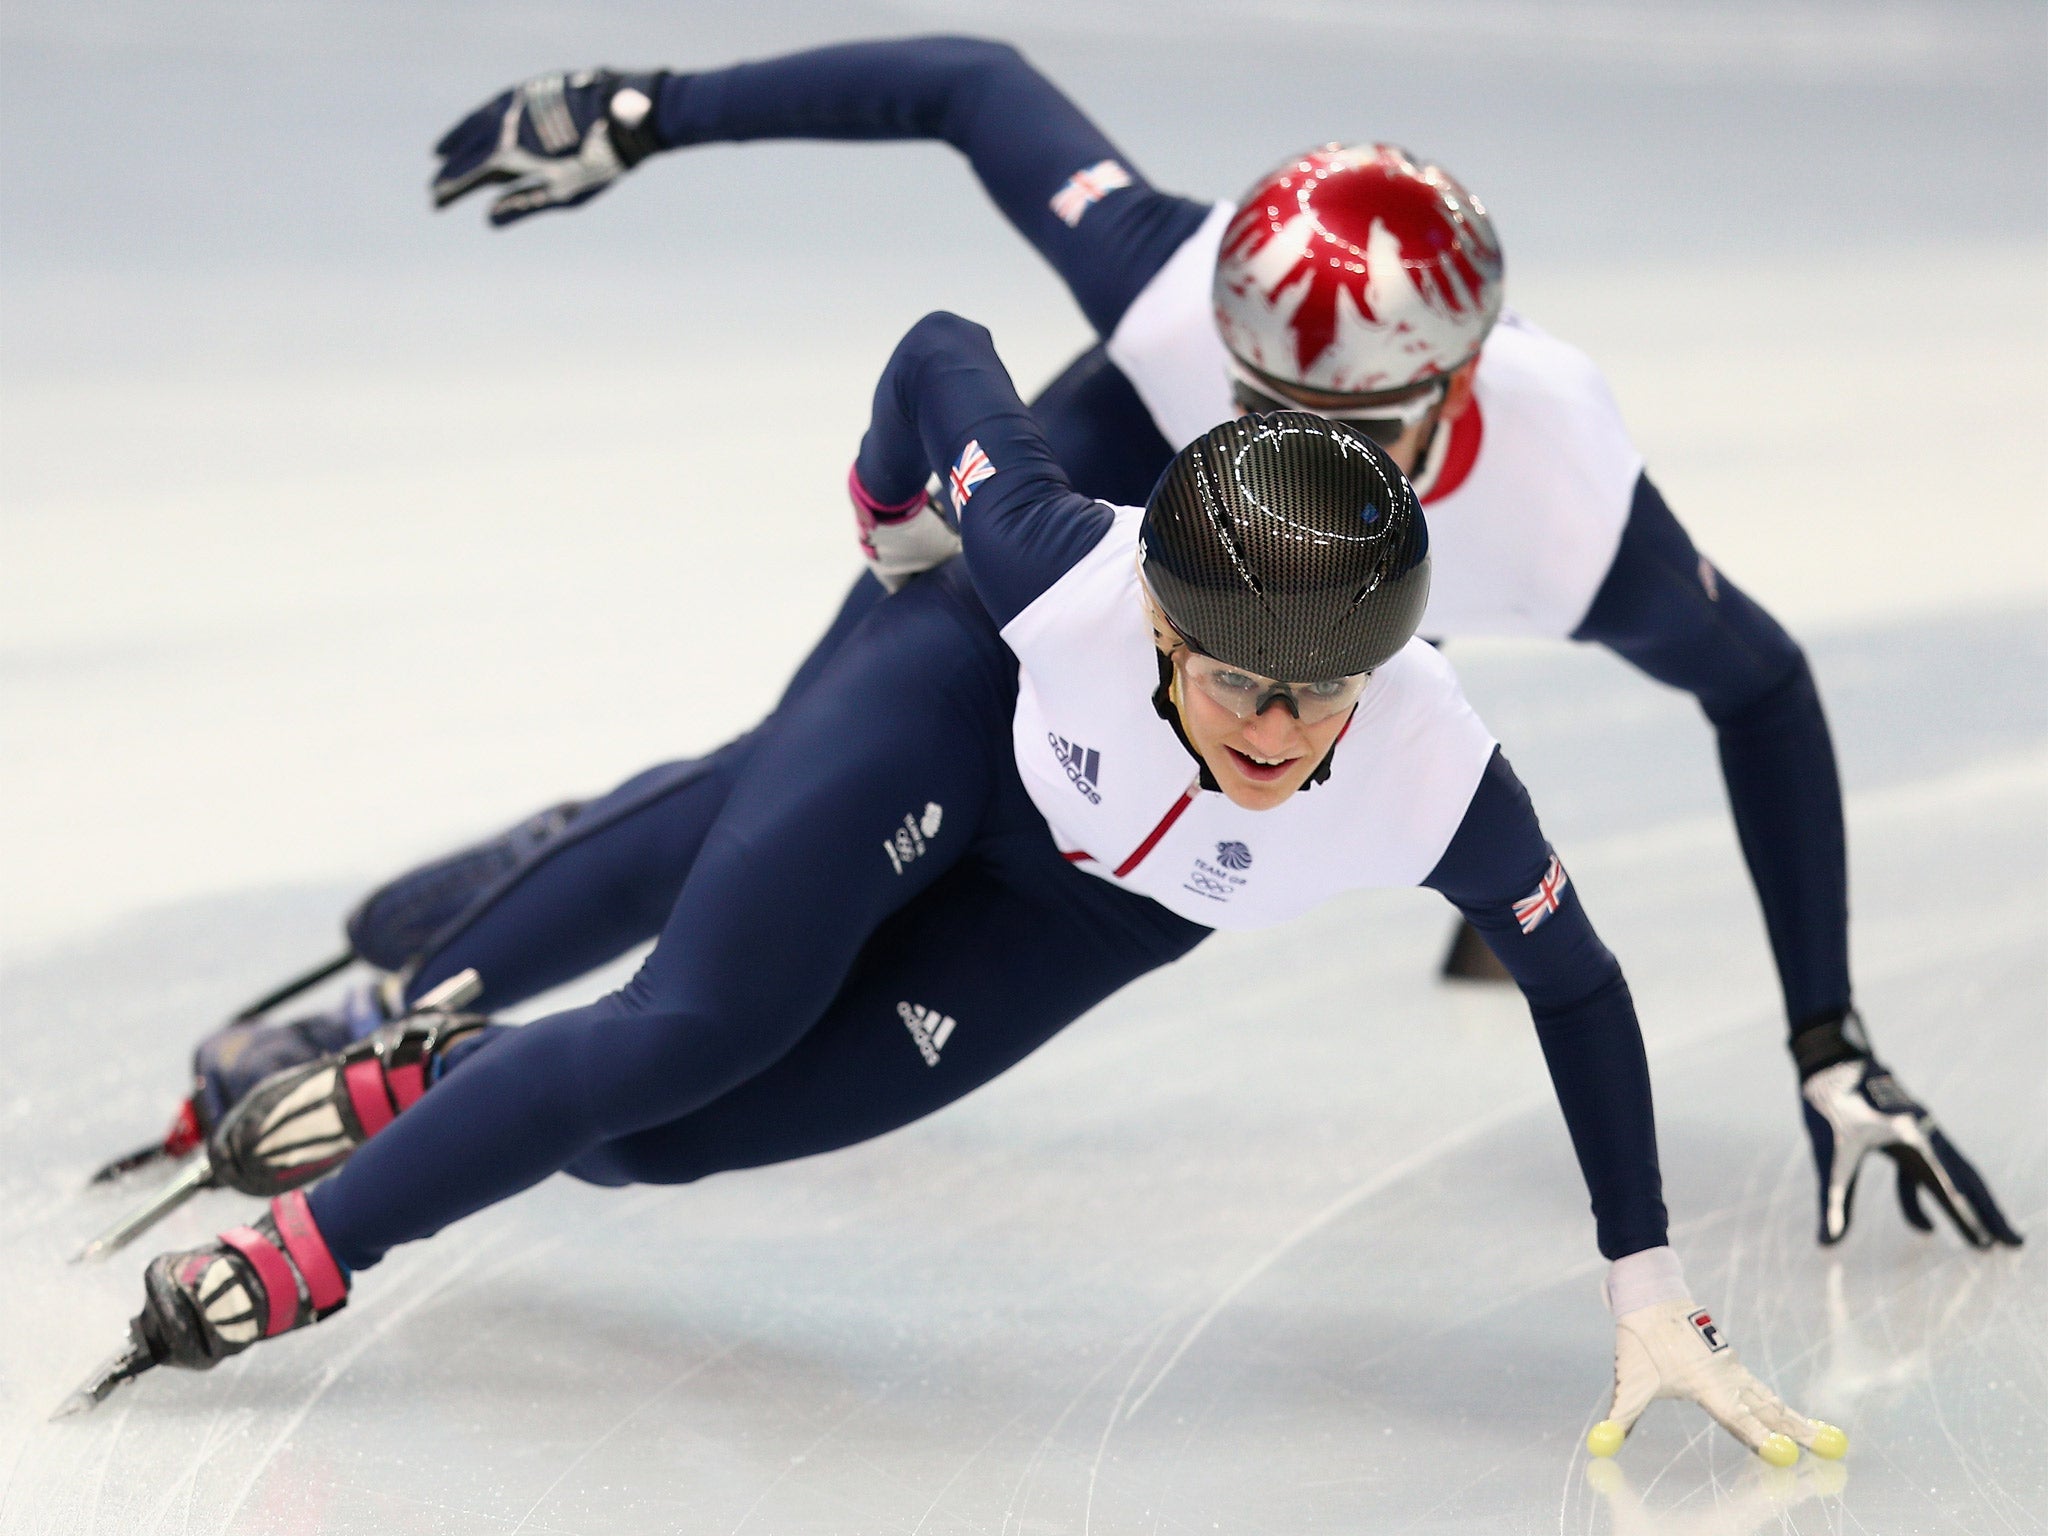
(1605, 1438)
(1829, 1441)
(1779, 1450)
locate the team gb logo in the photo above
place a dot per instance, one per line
(1234, 856)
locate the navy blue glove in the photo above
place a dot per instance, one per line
(559, 139)
(1854, 1106)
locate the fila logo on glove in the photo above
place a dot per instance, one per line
(1709, 1332)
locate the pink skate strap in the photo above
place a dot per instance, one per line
(407, 1083)
(302, 1240)
(366, 1092)
(880, 511)
(272, 1272)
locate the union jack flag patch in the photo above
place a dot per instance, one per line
(969, 470)
(1086, 188)
(1545, 899)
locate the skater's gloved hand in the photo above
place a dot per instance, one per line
(1854, 1106)
(559, 139)
(899, 542)
(1664, 1346)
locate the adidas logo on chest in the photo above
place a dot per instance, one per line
(1082, 765)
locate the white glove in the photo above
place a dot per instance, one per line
(1665, 1346)
(902, 541)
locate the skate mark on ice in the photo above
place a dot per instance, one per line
(1393, 1174)
(796, 1461)
(1020, 1490)
(961, 1470)
(620, 1423)
(1152, 1338)
(187, 1482)
(1991, 1497)
(380, 1325)
(13, 1467)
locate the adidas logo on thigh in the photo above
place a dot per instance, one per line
(928, 1027)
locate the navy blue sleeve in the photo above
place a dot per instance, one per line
(1033, 150)
(945, 405)
(1500, 872)
(1666, 609)
(1101, 432)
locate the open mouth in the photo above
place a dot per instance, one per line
(1260, 770)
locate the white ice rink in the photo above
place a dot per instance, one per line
(331, 534)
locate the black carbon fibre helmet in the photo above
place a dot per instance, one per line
(1287, 544)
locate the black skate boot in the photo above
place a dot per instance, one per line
(202, 1305)
(301, 1124)
(250, 1283)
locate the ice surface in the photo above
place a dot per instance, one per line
(334, 533)
(1285, 1238)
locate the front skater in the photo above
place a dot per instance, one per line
(913, 885)
(1364, 285)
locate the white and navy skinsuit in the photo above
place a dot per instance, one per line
(963, 828)
(1542, 520)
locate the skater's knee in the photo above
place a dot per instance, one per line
(603, 1169)
(666, 1155)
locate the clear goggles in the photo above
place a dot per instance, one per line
(1384, 421)
(1248, 695)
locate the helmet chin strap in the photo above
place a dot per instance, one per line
(1430, 462)
(1166, 703)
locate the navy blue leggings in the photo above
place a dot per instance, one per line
(1670, 613)
(872, 923)
(609, 881)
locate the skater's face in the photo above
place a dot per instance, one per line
(1412, 419)
(1258, 760)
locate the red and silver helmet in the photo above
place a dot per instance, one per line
(1357, 271)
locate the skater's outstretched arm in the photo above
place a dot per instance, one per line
(1501, 873)
(559, 139)
(1665, 608)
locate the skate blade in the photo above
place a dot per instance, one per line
(458, 991)
(133, 1162)
(124, 1365)
(174, 1194)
